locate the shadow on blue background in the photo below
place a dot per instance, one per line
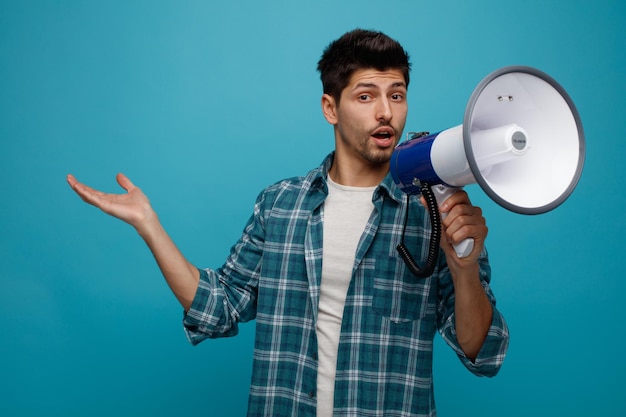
(203, 104)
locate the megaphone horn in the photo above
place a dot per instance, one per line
(521, 140)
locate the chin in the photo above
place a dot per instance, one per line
(379, 157)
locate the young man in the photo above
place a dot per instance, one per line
(342, 327)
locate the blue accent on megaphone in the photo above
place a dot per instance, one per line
(411, 160)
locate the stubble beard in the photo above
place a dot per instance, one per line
(371, 153)
(374, 155)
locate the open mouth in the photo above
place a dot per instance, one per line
(384, 136)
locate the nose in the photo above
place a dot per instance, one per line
(383, 110)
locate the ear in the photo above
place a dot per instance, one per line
(329, 109)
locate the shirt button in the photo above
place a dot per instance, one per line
(314, 356)
(311, 394)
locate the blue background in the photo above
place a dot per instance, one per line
(204, 103)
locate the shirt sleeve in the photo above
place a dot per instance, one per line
(491, 355)
(227, 296)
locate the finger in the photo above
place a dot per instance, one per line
(464, 221)
(476, 233)
(459, 211)
(70, 179)
(459, 197)
(125, 182)
(73, 182)
(473, 231)
(86, 193)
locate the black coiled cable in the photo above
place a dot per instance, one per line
(435, 237)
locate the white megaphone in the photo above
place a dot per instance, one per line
(521, 140)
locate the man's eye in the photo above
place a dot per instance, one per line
(397, 97)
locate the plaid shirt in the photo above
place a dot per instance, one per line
(273, 274)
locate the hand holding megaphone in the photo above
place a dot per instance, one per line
(442, 193)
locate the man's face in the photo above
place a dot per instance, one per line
(370, 116)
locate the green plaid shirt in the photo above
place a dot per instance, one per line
(273, 274)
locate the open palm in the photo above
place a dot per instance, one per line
(133, 207)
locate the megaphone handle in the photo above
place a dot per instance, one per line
(442, 193)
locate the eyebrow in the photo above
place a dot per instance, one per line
(372, 85)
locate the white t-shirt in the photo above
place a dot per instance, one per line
(346, 212)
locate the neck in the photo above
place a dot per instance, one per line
(357, 174)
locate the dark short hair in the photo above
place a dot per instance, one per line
(360, 49)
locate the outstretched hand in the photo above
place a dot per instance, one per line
(133, 207)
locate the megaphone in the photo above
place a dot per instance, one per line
(521, 140)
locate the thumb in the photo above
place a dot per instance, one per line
(125, 182)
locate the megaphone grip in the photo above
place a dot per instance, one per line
(442, 193)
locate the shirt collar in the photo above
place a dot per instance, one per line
(317, 179)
